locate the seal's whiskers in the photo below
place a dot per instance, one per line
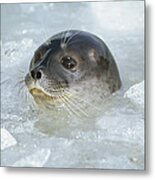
(62, 38)
(67, 32)
(69, 107)
(75, 107)
(21, 71)
(77, 100)
(22, 91)
(21, 87)
(85, 102)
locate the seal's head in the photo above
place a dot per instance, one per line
(72, 64)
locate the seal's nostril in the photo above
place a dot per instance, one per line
(36, 74)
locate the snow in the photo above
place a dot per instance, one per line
(112, 140)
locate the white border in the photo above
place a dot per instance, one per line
(41, 174)
(30, 1)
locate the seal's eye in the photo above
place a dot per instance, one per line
(69, 63)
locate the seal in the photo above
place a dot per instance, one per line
(72, 67)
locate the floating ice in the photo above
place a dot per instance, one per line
(7, 140)
(136, 94)
(37, 159)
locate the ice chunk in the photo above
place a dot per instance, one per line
(136, 94)
(37, 159)
(7, 139)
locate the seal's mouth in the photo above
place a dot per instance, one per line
(40, 93)
(42, 97)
